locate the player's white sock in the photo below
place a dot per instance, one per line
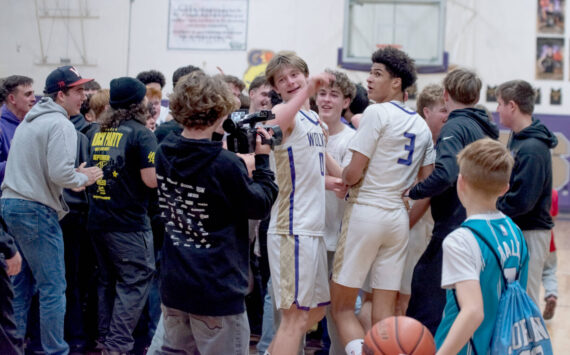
(266, 353)
(354, 347)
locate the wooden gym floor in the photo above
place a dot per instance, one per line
(559, 325)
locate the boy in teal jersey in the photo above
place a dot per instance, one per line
(469, 268)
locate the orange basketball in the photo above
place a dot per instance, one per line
(398, 335)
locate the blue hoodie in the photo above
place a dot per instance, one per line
(8, 124)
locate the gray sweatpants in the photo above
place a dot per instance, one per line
(206, 335)
(538, 242)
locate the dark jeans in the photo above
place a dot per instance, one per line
(126, 267)
(10, 343)
(148, 321)
(81, 308)
(428, 298)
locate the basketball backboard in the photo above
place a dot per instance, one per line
(415, 26)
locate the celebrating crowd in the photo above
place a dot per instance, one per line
(130, 227)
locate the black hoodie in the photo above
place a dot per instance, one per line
(530, 194)
(463, 127)
(206, 198)
(7, 244)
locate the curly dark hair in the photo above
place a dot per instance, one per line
(112, 118)
(199, 100)
(152, 76)
(398, 64)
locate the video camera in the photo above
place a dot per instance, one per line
(241, 129)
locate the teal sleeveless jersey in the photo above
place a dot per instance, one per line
(508, 241)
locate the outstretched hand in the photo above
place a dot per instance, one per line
(93, 173)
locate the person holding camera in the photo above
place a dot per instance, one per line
(206, 198)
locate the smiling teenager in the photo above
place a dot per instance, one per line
(296, 248)
(40, 165)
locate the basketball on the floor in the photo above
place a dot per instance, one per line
(398, 335)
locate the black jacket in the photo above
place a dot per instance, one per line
(77, 200)
(7, 244)
(530, 194)
(206, 198)
(463, 127)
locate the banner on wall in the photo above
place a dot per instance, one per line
(208, 24)
(257, 60)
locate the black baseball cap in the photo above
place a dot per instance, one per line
(63, 77)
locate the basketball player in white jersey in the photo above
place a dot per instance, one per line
(392, 144)
(295, 244)
(332, 100)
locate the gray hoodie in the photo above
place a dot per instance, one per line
(42, 158)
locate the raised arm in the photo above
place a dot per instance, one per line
(285, 112)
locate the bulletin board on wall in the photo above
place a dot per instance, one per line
(208, 25)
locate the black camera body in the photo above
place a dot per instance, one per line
(242, 131)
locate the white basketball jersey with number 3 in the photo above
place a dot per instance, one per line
(300, 171)
(398, 142)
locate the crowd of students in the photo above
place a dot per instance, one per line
(363, 211)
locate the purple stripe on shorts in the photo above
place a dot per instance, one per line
(296, 267)
(292, 195)
(302, 308)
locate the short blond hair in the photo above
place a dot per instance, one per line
(99, 101)
(486, 165)
(199, 100)
(463, 85)
(430, 96)
(282, 59)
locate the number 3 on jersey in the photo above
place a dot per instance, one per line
(409, 148)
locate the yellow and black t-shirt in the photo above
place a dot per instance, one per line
(119, 201)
